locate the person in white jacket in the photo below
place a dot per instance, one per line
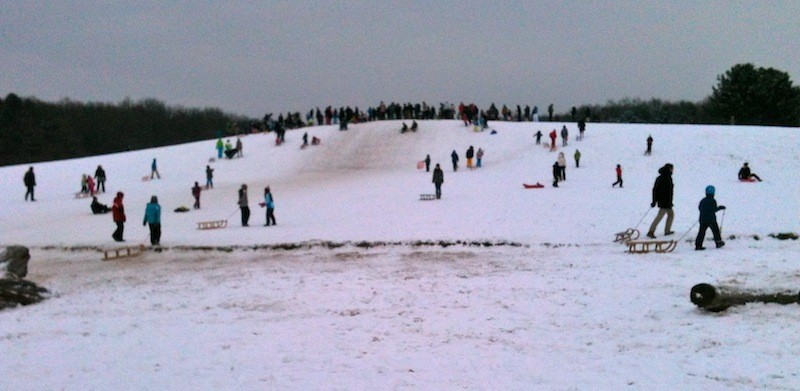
(562, 165)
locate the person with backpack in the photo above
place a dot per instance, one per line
(708, 219)
(152, 216)
(118, 215)
(619, 177)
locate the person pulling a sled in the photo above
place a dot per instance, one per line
(662, 196)
(708, 219)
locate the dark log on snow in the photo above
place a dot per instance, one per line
(14, 290)
(716, 299)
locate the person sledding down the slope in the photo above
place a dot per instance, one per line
(708, 219)
(404, 128)
(746, 175)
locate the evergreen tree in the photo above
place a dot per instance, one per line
(755, 96)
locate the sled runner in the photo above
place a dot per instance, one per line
(123, 252)
(427, 197)
(627, 235)
(212, 224)
(658, 246)
(536, 186)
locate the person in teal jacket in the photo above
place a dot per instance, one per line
(152, 216)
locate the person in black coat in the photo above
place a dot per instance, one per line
(454, 158)
(100, 175)
(745, 174)
(662, 196)
(98, 208)
(30, 182)
(538, 136)
(438, 179)
(556, 174)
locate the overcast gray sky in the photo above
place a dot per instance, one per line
(254, 57)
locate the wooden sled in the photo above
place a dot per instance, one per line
(627, 235)
(212, 224)
(123, 252)
(81, 195)
(658, 246)
(145, 178)
(536, 186)
(427, 197)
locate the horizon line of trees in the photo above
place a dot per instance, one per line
(34, 131)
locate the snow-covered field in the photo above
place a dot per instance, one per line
(491, 287)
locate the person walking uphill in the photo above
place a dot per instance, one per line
(619, 177)
(662, 196)
(243, 205)
(708, 219)
(118, 215)
(152, 216)
(154, 169)
(454, 157)
(438, 179)
(30, 182)
(269, 202)
(196, 194)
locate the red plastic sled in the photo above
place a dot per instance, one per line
(536, 186)
(747, 180)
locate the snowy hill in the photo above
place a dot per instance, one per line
(551, 304)
(362, 185)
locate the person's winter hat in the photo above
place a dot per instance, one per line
(710, 190)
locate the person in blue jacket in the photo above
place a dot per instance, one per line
(269, 202)
(708, 219)
(152, 216)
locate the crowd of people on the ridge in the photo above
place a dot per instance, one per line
(469, 113)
